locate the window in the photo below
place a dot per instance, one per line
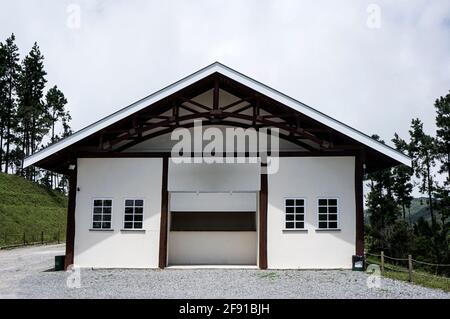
(328, 213)
(134, 213)
(295, 213)
(102, 214)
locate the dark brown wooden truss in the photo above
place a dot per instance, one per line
(156, 121)
(250, 109)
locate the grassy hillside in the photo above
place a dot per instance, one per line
(419, 208)
(26, 207)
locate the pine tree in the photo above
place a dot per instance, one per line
(442, 192)
(381, 205)
(55, 105)
(442, 106)
(9, 78)
(422, 149)
(402, 178)
(25, 119)
(2, 101)
(32, 110)
(63, 184)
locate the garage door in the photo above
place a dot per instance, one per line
(213, 229)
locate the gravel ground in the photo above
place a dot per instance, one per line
(26, 273)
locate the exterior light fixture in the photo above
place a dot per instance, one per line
(358, 263)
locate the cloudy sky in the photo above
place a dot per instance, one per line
(371, 64)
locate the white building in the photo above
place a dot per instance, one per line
(133, 205)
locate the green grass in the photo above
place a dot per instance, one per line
(419, 277)
(269, 275)
(29, 208)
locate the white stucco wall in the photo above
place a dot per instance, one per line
(213, 177)
(118, 179)
(310, 178)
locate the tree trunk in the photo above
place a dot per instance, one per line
(8, 126)
(24, 151)
(1, 149)
(8, 137)
(53, 141)
(448, 163)
(430, 199)
(33, 133)
(430, 190)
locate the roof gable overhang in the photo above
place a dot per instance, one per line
(378, 155)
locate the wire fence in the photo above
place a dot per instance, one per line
(10, 240)
(411, 269)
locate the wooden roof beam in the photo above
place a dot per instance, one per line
(229, 123)
(240, 101)
(204, 107)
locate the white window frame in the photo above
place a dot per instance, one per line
(124, 208)
(92, 213)
(294, 221)
(338, 213)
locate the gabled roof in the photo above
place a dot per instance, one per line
(238, 77)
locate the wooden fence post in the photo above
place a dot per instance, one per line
(382, 261)
(42, 238)
(410, 268)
